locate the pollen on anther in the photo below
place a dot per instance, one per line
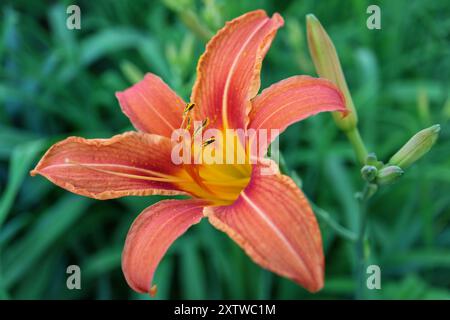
(205, 122)
(209, 141)
(189, 107)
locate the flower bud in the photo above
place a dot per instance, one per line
(369, 172)
(327, 65)
(389, 174)
(371, 159)
(416, 147)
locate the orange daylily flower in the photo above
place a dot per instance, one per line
(267, 215)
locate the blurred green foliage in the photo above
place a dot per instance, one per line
(57, 82)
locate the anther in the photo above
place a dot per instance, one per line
(189, 106)
(208, 141)
(205, 122)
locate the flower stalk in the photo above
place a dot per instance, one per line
(374, 172)
(357, 143)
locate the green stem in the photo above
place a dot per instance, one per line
(358, 145)
(340, 230)
(361, 257)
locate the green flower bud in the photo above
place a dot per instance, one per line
(371, 159)
(389, 174)
(369, 172)
(328, 66)
(416, 147)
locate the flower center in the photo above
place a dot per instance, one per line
(220, 183)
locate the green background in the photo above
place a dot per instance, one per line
(56, 82)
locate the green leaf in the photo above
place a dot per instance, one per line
(192, 271)
(21, 159)
(102, 262)
(53, 223)
(106, 42)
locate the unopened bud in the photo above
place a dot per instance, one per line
(327, 65)
(371, 159)
(389, 174)
(416, 147)
(369, 172)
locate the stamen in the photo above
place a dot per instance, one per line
(205, 123)
(188, 125)
(208, 141)
(189, 106)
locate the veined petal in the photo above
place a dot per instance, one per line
(132, 163)
(151, 234)
(152, 106)
(273, 222)
(292, 100)
(228, 71)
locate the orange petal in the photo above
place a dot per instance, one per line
(273, 222)
(128, 164)
(152, 106)
(292, 100)
(151, 234)
(228, 71)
